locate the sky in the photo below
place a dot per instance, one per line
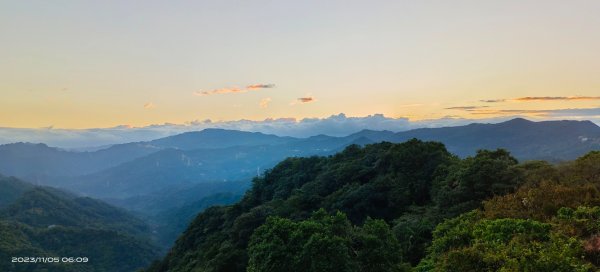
(102, 64)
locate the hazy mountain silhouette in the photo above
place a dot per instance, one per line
(526, 140)
(217, 155)
(218, 138)
(36, 162)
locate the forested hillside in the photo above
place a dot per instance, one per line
(551, 223)
(403, 207)
(45, 222)
(170, 223)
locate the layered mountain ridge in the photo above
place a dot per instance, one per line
(218, 156)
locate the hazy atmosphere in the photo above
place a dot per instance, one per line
(96, 64)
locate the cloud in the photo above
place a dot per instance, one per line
(264, 103)
(335, 125)
(492, 100)
(307, 99)
(253, 87)
(575, 112)
(556, 98)
(466, 108)
(220, 91)
(542, 98)
(260, 86)
(551, 114)
(592, 114)
(149, 105)
(505, 112)
(483, 110)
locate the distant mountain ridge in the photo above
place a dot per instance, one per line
(36, 161)
(218, 138)
(217, 155)
(526, 140)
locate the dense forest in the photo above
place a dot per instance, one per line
(411, 206)
(46, 222)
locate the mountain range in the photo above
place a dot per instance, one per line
(160, 185)
(130, 173)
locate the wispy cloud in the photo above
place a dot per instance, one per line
(509, 112)
(253, 87)
(485, 110)
(260, 86)
(466, 108)
(307, 99)
(556, 98)
(264, 103)
(149, 105)
(542, 98)
(571, 113)
(492, 100)
(576, 112)
(220, 91)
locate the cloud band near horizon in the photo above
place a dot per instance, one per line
(542, 98)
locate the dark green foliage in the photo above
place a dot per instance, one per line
(40, 207)
(323, 243)
(411, 187)
(413, 230)
(584, 223)
(585, 219)
(45, 222)
(549, 188)
(477, 178)
(12, 189)
(106, 250)
(586, 168)
(381, 181)
(469, 243)
(536, 172)
(377, 247)
(283, 245)
(551, 223)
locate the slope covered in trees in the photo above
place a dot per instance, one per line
(170, 223)
(45, 222)
(551, 223)
(384, 201)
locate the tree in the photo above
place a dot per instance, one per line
(474, 179)
(323, 243)
(470, 243)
